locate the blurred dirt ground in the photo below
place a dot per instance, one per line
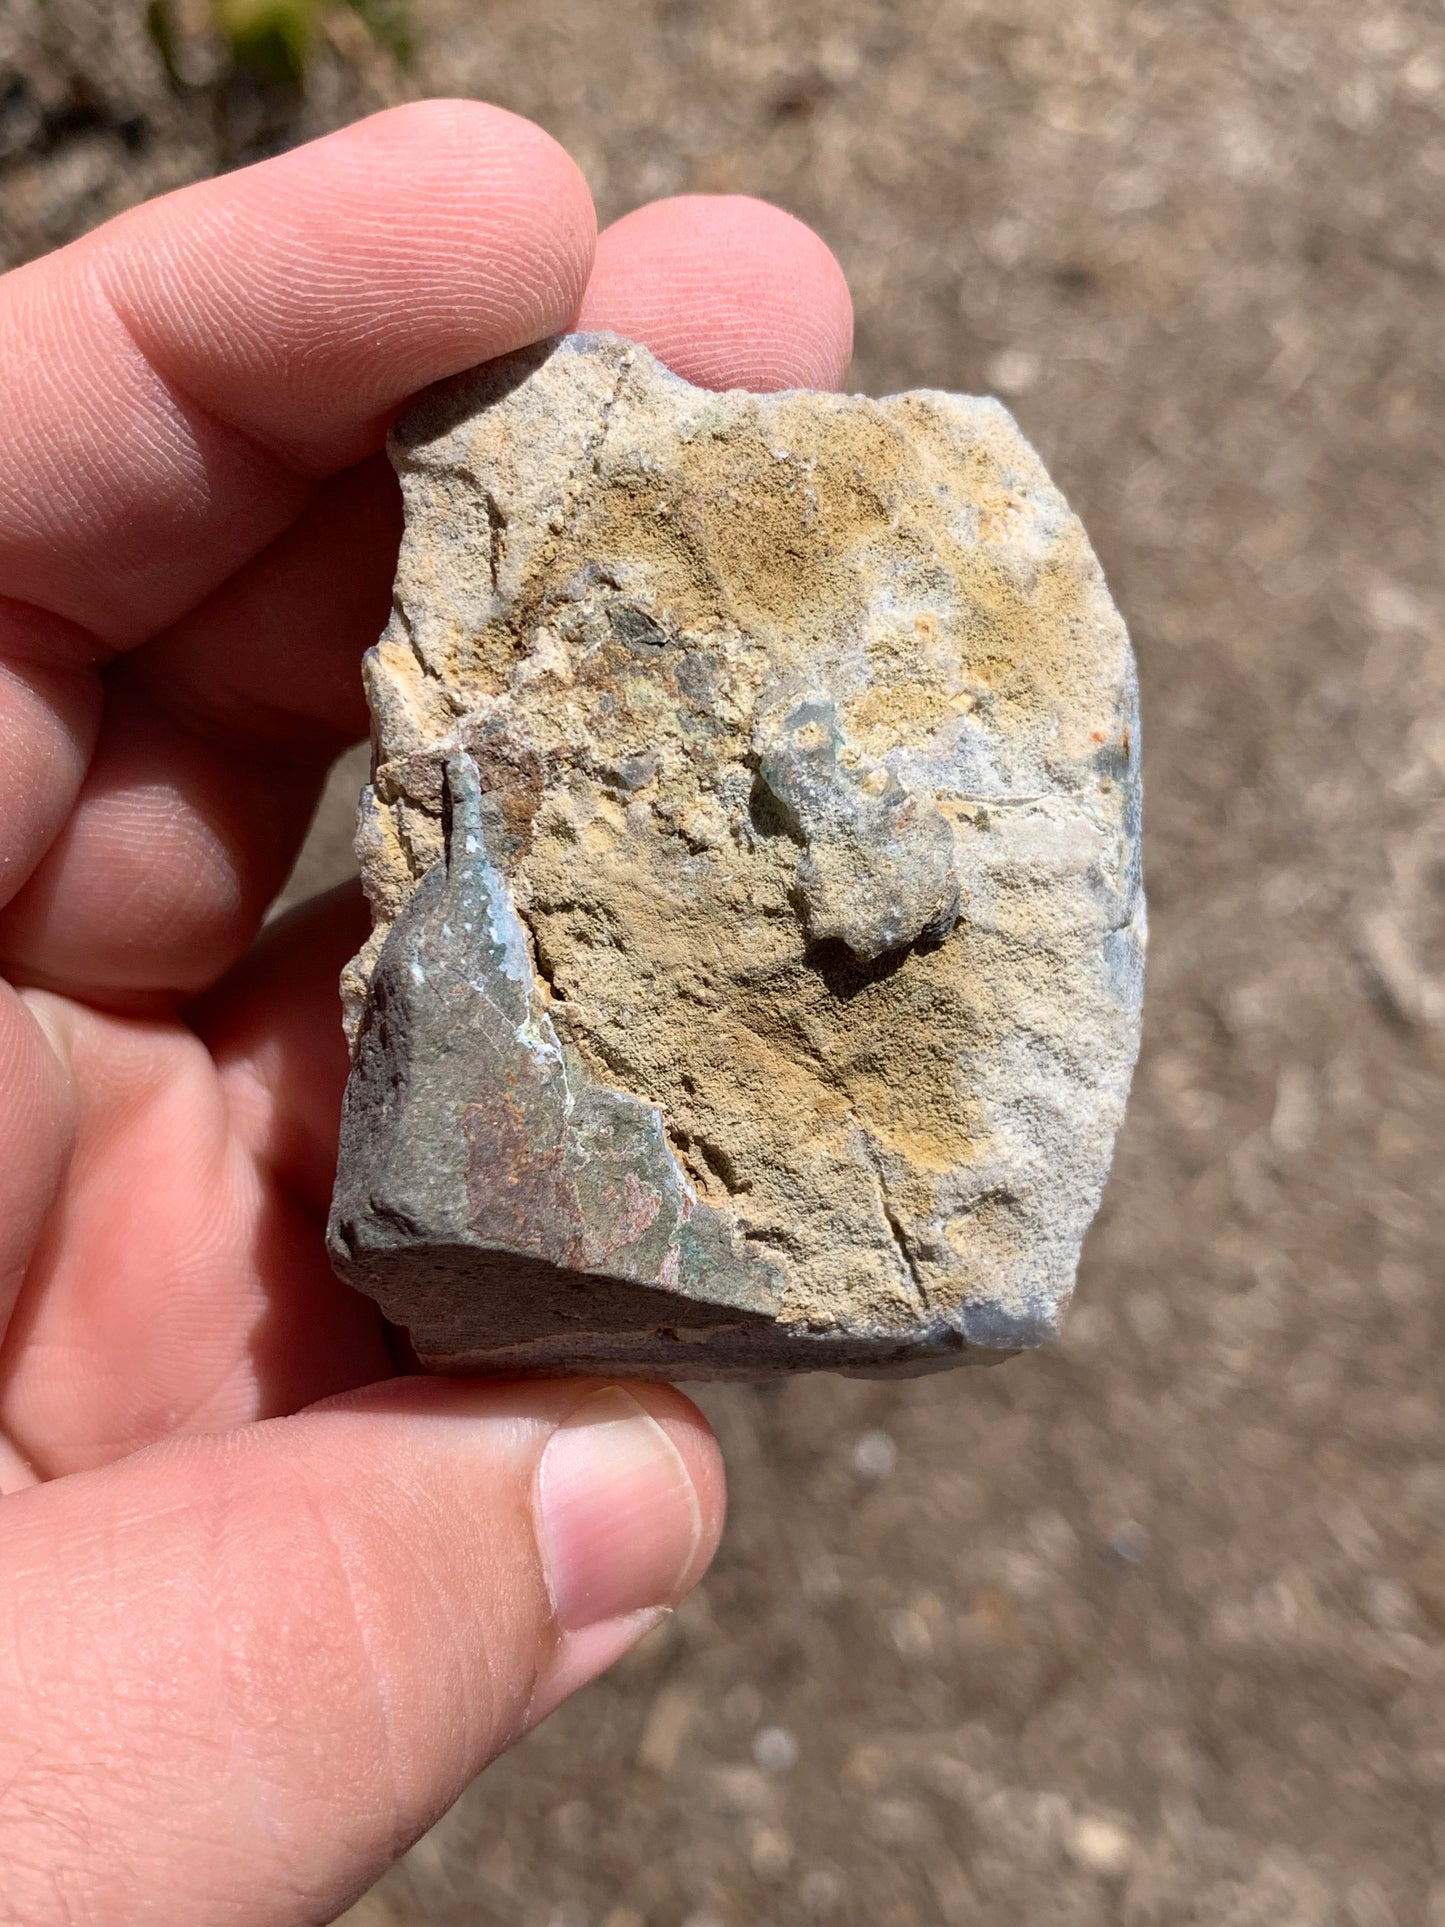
(1150, 1629)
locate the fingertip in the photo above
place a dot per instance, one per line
(506, 195)
(728, 291)
(630, 1503)
(303, 298)
(467, 140)
(375, 1578)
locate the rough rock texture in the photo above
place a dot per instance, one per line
(753, 845)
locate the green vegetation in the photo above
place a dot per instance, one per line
(273, 39)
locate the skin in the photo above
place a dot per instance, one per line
(266, 1607)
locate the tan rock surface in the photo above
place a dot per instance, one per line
(805, 738)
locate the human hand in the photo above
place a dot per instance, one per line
(264, 1606)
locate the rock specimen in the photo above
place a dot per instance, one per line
(753, 850)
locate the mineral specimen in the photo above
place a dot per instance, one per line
(753, 851)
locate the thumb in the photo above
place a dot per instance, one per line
(240, 1674)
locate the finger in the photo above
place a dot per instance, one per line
(321, 1629)
(176, 382)
(216, 739)
(269, 663)
(50, 709)
(176, 844)
(16, 1473)
(173, 386)
(729, 292)
(181, 1282)
(37, 1129)
(272, 1028)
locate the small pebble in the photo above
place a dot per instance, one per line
(874, 1456)
(820, 1891)
(775, 1749)
(770, 1852)
(1013, 371)
(1099, 1846)
(1130, 1542)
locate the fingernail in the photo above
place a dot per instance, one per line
(618, 1519)
(16, 1473)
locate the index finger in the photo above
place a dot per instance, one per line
(176, 384)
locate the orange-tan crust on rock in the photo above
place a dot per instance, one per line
(804, 738)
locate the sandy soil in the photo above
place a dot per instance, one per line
(1151, 1629)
